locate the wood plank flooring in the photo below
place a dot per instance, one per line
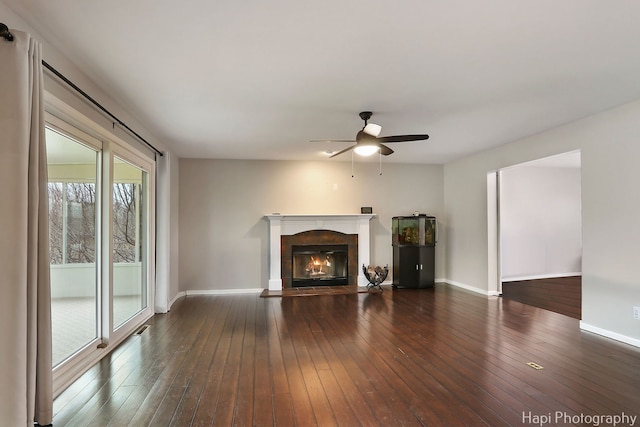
(429, 357)
(560, 294)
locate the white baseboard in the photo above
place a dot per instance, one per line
(224, 291)
(214, 292)
(471, 288)
(178, 295)
(540, 276)
(609, 334)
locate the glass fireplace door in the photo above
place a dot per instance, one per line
(319, 265)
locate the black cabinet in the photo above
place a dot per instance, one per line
(414, 243)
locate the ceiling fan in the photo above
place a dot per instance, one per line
(368, 142)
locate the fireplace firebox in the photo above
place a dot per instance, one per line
(319, 265)
(319, 258)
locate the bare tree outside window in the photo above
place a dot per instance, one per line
(124, 222)
(81, 229)
(72, 230)
(55, 223)
(72, 210)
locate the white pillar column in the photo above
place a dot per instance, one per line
(364, 248)
(275, 232)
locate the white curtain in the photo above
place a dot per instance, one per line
(25, 303)
(163, 233)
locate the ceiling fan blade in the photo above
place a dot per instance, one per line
(384, 150)
(342, 151)
(332, 140)
(402, 138)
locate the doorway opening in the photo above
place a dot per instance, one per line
(535, 233)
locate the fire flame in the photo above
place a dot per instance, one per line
(315, 265)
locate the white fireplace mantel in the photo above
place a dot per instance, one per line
(284, 225)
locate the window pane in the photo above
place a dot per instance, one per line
(129, 241)
(81, 222)
(72, 234)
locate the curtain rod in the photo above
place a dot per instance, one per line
(6, 34)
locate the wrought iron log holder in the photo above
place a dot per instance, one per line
(375, 275)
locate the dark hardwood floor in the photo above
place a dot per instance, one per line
(429, 357)
(560, 294)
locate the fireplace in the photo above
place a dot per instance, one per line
(319, 265)
(319, 258)
(283, 227)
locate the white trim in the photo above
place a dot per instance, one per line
(609, 334)
(471, 288)
(176, 298)
(214, 292)
(70, 115)
(70, 131)
(494, 258)
(318, 217)
(540, 276)
(224, 291)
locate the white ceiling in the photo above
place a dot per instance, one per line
(259, 79)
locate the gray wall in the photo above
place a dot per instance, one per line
(224, 237)
(610, 201)
(540, 222)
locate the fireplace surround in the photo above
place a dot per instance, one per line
(319, 258)
(282, 227)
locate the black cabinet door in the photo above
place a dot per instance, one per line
(413, 266)
(427, 266)
(409, 267)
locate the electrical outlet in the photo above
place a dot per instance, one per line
(636, 313)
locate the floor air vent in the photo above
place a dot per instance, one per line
(534, 365)
(142, 329)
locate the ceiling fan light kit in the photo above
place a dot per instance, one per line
(366, 150)
(368, 142)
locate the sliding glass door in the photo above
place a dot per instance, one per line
(101, 244)
(129, 243)
(74, 196)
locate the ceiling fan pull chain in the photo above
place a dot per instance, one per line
(352, 173)
(380, 156)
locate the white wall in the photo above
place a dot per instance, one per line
(541, 222)
(224, 237)
(610, 201)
